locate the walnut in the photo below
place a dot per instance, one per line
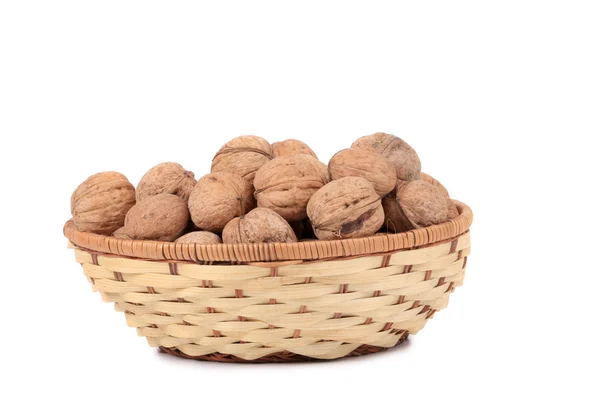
(100, 203)
(417, 204)
(167, 177)
(395, 220)
(202, 237)
(396, 150)
(366, 164)
(434, 182)
(323, 170)
(345, 208)
(285, 184)
(162, 217)
(121, 233)
(260, 225)
(291, 147)
(452, 209)
(217, 198)
(242, 156)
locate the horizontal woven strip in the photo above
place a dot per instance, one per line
(270, 252)
(318, 309)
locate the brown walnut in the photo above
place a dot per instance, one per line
(345, 208)
(452, 209)
(201, 237)
(260, 225)
(417, 204)
(242, 156)
(366, 164)
(291, 147)
(121, 233)
(167, 177)
(217, 198)
(285, 184)
(100, 203)
(397, 151)
(434, 182)
(162, 217)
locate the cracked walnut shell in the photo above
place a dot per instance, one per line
(345, 208)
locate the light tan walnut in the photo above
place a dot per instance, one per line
(217, 198)
(291, 147)
(162, 217)
(345, 208)
(285, 184)
(242, 156)
(167, 177)
(100, 203)
(260, 225)
(366, 164)
(397, 151)
(201, 237)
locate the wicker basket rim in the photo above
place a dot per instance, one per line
(271, 252)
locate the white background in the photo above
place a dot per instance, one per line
(500, 99)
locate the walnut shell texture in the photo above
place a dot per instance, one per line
(324, 171)
(219, 197)
(285, 184)
(422, 203)
(200, 237)
(434, 182)
(242, 156)
(100, 203)
(121, 233)
(260, 225)
(345, 208)
(162, 217)
(396, 150)
(167, 177)
(366, 164)
(452, 209)
(395, 220)
(291, 147)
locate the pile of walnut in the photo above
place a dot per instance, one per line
(260, 193)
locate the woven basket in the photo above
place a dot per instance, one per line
(278, 301)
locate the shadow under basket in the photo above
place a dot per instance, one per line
(278, 302)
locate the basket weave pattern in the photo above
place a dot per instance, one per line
(199, 302)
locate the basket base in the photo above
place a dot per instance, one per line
(284, 356)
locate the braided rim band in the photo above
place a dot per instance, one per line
(269, 252)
